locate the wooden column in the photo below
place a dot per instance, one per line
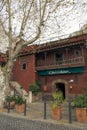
(45, 54)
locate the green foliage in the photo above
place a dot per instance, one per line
(80, 101)
(16, 99)
(57, 99)
(37, 82)
(35, 88)
(19, 100)
(10, 98)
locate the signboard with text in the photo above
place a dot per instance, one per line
(71, 70)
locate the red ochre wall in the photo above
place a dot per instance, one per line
(27, 76)
(78, 85)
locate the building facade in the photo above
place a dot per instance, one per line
(59, 65)
(24, 68)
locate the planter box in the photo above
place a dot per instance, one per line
(57, 113)
(12, 105)
(81, 114)
(20, 108)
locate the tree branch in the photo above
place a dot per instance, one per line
(1, 23)
(25, 19)
(23, 43)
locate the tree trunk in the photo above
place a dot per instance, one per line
(5, 77)
(8, 74)
(2, 87)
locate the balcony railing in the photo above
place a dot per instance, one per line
(77, 61)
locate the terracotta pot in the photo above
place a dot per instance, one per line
(44, 88)
(81, 114)
(20, 108)
(57, 113)
(12, 105)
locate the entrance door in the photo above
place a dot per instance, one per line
(61, 87)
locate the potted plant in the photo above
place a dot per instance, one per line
(80, 103)
(20, 104)
(35, 89)
(10, 99)
(56, 105)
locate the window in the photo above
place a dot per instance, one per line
(24, 66)
(59, 58)
(77, 52)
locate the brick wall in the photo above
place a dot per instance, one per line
(27, 76)
(78, 86)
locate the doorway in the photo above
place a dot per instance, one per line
(61, 87)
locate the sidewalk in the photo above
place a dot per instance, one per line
(35, 111)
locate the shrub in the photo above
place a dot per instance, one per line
(80, 101)
(35, 88)
(57, 99)
(10, 98)
(19, 100)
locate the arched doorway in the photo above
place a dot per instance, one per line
(62, 85)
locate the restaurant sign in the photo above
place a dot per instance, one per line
(71, 70)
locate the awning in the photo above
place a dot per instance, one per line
(70, 70)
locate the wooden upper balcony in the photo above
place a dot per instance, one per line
(50, 64)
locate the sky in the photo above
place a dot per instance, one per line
(60, 24)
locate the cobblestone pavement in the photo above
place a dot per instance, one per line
(34, 120)
(14, 123)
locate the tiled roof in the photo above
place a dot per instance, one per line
(53, 44)
(29, 49)
(63, 42)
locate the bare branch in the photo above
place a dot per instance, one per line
(10, 29)
(25, 18)
(1, 5)
(23, 43)
(1, 23)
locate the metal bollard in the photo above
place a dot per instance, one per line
(25, 108)
(9, 107)
(44, 108)
(70, 112)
